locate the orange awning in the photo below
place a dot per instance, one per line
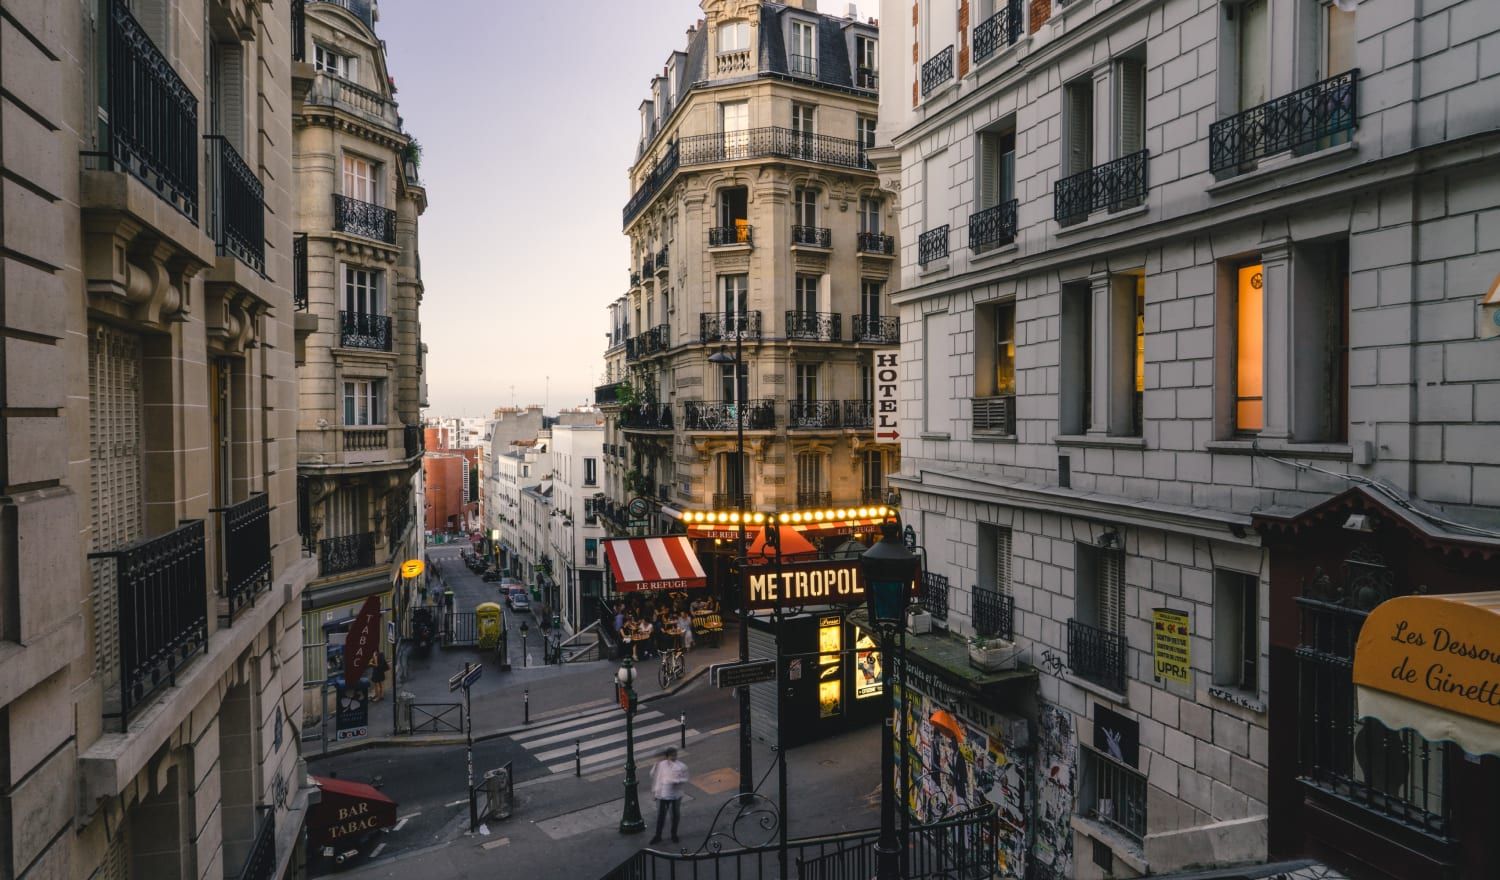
(793, 546)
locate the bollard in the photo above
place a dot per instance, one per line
(682, 720)
(526, 695)
(577, 757)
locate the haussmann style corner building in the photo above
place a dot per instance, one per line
(756, 224)
(1192, 383)
(358, 336)
(150, 622)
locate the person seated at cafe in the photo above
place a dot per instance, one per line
(619, 618)
(644, 634)
(685, 630)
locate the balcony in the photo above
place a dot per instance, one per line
(1113, 793)
(934, 594)
(812, 236)
(937, 70)
(875, 243)
(648, 267)
(802, 65)
(661, 261)
(653, 182)
(607, 393)
(299, 272)
(731, 501)
(995, 415)
(814, 499)
(161, 610)
(364, 439)
(859, 414)
(153, 115)
(260, 861)
(813, 414)
(734, 61)
(1313, 118)
(865, 78)
(701, 415)
(237, 208)
(725, 236)
(728, 326)
(360, 9)
(873, 494)
(814, 326)
(346, 553)
(245, 530)
(1113, 186)
(933, 245)
(646, 417)
(656, 340)
(361, 330)
(397, 520)
(364, 219)
(877, 329)
(998, 31)
(414, 440)
(1097, 655)
(994, 614)
(993, 227)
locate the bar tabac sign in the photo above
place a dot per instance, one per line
(825, 582)
(1443, 651)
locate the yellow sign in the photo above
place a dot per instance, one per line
(412, 568)
(1440, 650)
(1171, 649)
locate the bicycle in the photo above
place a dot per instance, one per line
(673, 667)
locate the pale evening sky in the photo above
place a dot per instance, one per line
(528, 118)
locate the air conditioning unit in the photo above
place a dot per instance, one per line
(918, 621)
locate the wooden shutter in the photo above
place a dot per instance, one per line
(116, 467)
(989, 169)
(1111, 590)
(1002, 561)
(1131, 75)
(1254, 55)
(1080, 99)
(231, 87)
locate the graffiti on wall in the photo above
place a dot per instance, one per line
(1056, 767)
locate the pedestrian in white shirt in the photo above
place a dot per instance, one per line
(667, 778)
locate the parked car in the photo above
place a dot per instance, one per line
(519, 601)
(514, 592)
(490, 576)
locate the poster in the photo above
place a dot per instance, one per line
(361, 642)
(867, 668)
(830, 669)
(1057, 762)
(1117, 736)
(1171, 649)
(352, 714)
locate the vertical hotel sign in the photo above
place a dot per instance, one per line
(887, 392)
(1171, 652)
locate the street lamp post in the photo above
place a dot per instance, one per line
(631, 821)
(747, 772)
(889, 569)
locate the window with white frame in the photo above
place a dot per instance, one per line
(805, 295)
(1237, 630)
(994, 558)
(734, 36)
(866, 61)
(1078, 133)
(809, 476)
(805, 206)
(870, 295)
(726, 382)
(326, 60)
(870, 210)
(362, 293)
(873, 475)
(590, 471)
(734, 122)
(802, 58)
(864, 129)
(734, 296)
(361, 180)
(364, 402)
(807, 382)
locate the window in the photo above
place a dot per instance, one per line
(802, 60)
(1078, 136)
(1100, 584)
(870, 209)
(809, 476)
(1075, 374)
(590, 551)
(938, 371)
(997, 166)
(995, 367)
(734, 298)
(994, 558)
(1237, 631)
(870, 295)
(1253, 48)
(1130, 104)
(734, 36)
(726, 382)
(805, 296)
(864, 128)
(866, 61)
(364, 402)
(1249, 350)
(936, 192)
(866, 381)
(362, 291)
(1320, 343)
(807, 382)
(734, 122)
(1112, 793)
(360, 179)
(226, 92)
(1140, 356)
(590, 471)
(804, 130)
(730, 477)
(873, 480)
(734, 211)
(805, 206)
(326, 60)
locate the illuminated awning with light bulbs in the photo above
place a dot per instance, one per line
(815, 523)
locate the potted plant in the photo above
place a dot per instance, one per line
(918, 619)
(992, 653)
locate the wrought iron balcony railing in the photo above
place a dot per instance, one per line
(346, 553)
(1097, 655)
(661, 260)
(859, 414)
(1113, 186)
(397, 519)
(1116, 795)
(1001, 29)
(873, 494)
(814, 499)
(813, 414)
(933, 245)
(237, 207)
(813, 236)
(802, 65)
(607, 393)
(723, 236)
(161, 610)
(731, 501)
(1312, 118)
(994, 415)
(364, 219)
(653, 182)
(727, 326)
(414, 440)
(937, 70)
(814, 326)
(632, 349)
(657, 339)
(362, 330)
(934, 596)
(260, 862)
(363, 439)
(700, 415)
(647, 416)
(993, 226)
(875, 243)
(153, 115)
(994, 613)
(299, 272)
(245, 529)
(878, 329)
(865, 78)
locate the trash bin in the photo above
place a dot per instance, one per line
(404, 699)
(487, 617)
(498, 800)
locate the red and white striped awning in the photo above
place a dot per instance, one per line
(665, 563)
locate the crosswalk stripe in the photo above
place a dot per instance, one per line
(596, 742)
(592, 717)
(580, 732)
(640, 748)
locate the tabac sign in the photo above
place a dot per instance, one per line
(1443, 651)
(825, 582)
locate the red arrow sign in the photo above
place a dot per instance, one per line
(888, 435)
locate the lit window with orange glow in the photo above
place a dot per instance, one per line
(1250, 351)
(1005, 350)
(1140, 334)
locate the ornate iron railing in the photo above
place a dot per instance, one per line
(647, 416)
(1112, 186)
(632, 349)
(993, 226)
(237, 209)
(1308, 119)
(657, 339)
(635, 278)
(865, 78)
(607, 393)
(937, 70)
(881, 330)
(260, 862)
(397, 519)
(814, 236)
(994, 415)
(994, 613)
(346, 553)
(731, 501)
(362, 330)
(720, 236)
(875, 243)
(933, 245)
(299, 30)
(299, 272)
(859, 413)
(414, 440)
(771, 142)
(1115, 794)
(1001, 29)
(813, 414)
(873, 494)
(802, 65)
(700, 415)
(364, 219)
(153, 115)
(162, 610)
(1097, 655)
(814, 326)
(652, 183)
(814, 499)
(934, 595)
(661, 260)
(245, 529)
(304, 514)
(721, 326)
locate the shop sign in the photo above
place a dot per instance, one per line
(1117, 736)
(825, 582)
(830, 669)
(868, 668)
(737, 675)
(1443, 651)
(1171, 648)
(352, 716)
(887, 395)
(413, 568)
(360, 644)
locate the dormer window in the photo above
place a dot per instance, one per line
(802, 55)
(734, 36)
(866, 62)
(328, 61)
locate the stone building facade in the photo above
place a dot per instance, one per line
(360, 438)
(149, 622)
(1181, 282)
(577, 488)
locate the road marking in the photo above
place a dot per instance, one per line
(530, 740)
(376, 851)
(641, 746)
(401, 822)
(725, 729)
(456, 803)
(494, 843)
(595, 742)
(581, 708)
(613, 715)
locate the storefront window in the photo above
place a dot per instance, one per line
(830, 677)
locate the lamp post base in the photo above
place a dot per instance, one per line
(631, 822)
(887, 862)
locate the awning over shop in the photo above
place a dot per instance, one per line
(346, 810)
(793, 546)
(1432, 664)
(661, 563)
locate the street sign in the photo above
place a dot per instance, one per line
(473, 676)
(639, 523)
(733, 675)
(465, 677)
(639, 507)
